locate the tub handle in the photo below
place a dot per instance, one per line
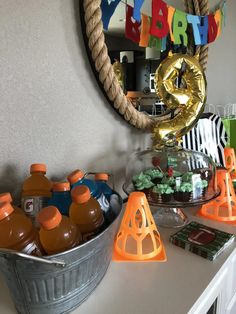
(6, 252)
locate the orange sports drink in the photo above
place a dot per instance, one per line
(17, 232)
(85, 211)
(36, 191)
(6, 197)
(57, 232)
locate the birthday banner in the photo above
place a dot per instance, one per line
(152, 31)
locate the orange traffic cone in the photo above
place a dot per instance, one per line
(138, 238)
(230, 161)
(222, 208)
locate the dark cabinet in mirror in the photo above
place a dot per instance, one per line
(138, 66)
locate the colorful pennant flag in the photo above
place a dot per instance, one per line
(212, 28)
(132, 28)
(108, 8)
(223, 12)
(218, 21)
(171, 12)
(203, 29)
(155, 42)
(195, 21)
(137, 10)
(163, 43)
(180, 25)
(166, 20)
(159, 26)
(145, 31)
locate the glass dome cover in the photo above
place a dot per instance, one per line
(172, 177)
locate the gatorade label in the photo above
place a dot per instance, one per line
(32, 249)
(32, 205)
(102, 200)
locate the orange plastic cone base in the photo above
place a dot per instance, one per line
(138, 238)
(222, 208)
(230, 161)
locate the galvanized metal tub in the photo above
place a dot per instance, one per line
(59, 283)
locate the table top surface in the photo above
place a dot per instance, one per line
(150, 287)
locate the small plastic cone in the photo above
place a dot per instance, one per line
(230, 161)
(222, 208)
(138, 238)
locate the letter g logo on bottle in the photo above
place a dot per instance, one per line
(29, 205)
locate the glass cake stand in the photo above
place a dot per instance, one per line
(172, 178)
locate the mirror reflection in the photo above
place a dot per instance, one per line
(133, 65)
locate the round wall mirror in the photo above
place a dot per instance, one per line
(125, 72)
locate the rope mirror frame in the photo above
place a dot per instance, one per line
(94, 38)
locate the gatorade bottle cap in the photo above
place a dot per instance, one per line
(80, 194)
(101, 176)
(5, 197)
(5, 210)
(38, 168)
(75, 176)
(61, 186)
(49, 217)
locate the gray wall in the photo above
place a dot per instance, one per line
(51, 108)
(221, 72)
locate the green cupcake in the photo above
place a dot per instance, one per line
(187, 176)
(155, 174)
(183, 192)
(142, 182)
(140, 177)
(185, 187)
(168, 180)
(164, 190)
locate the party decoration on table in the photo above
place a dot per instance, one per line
(167, 20)
(190, 99)
(202, 240)
(138, 238)
(222, 208)
(208, 136)
(108, 8)
(230, 161)
(228, 113)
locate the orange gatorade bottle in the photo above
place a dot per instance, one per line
(17, 232)
(6, 197)
(57, 233)
(36, 191)
(85, 211)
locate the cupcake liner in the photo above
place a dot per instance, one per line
(155, 197)
(166, 198)
(147, 192)
(182, 196)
